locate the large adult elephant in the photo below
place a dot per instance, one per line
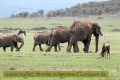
(41, 38)
(82, 31)
(11, 40)
(59, 34)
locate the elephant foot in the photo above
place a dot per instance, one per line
(96, 51)
(76, 51)
(47, 50)
(18, 50)
(33, 50)
(68, 51)
(59, 49)
(84, 49)
(56, 51)
(41, 50)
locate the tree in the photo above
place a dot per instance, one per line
(34, 14)
(13, 16)
(99, 12)
(22, 14)
(41, 12)
(85, 9)
(25, 14)
(50, 13)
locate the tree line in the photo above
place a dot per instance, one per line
(85, 9)
(25, 14)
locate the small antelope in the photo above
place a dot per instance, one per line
(105, 49)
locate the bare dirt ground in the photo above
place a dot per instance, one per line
(115, 30)
(9, 30)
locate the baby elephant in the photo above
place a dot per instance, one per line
(105, 49)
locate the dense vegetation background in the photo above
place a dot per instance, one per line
(80, 10)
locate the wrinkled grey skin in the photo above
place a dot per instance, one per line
(11, 40)
(82, 31)
(41, 38)
(59, 34)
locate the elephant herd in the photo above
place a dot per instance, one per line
(78, 31)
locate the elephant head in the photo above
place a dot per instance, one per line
(73, 28)
(17, 38)
(96, 32)
(96, 29)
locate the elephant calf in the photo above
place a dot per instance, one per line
(105, 49)
(41, 38)
(10, 40)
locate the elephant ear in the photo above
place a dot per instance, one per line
(73, 27)
(14, 38)
(95, 27)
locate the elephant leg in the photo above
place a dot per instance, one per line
(69, 47)
(84, 42)
(34, 46)
(4, 49)
(87, 46)
(40, 47)
(109, 53)
(72, 41)
(52, 43)
(55, 48)
(105, 54)
(16, 46)
(12, 48)
(75, 47)
(59, 47)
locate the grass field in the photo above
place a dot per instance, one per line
(28, 60)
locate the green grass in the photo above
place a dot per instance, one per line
(28, 60)
(33, 22)
(28, 23)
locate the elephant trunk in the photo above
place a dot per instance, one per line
(96, 43)
(22, 43)
(49, 40)
(100, 33)
(24, 33)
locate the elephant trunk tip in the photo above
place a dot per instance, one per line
(100, 33)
